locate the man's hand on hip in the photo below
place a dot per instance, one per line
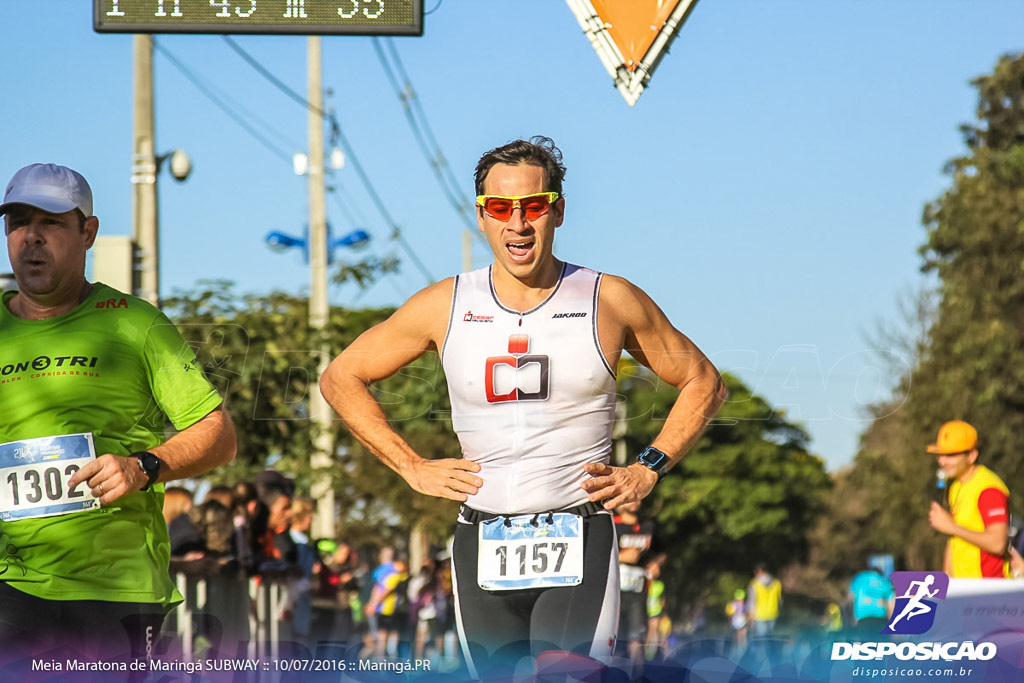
(615, 486)
(451, 478)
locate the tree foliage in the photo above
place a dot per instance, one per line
(749, 491)
(970, 363)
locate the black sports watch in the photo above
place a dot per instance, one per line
(654, 460)
(150, 466)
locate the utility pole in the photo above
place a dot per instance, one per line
(321, 458)
(146, 276)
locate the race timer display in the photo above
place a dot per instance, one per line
(297, 17)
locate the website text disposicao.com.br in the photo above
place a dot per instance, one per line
(884, 672)
(957, 660)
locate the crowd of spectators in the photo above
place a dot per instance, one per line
(334, 594)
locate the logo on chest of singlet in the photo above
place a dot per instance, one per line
(519, 376)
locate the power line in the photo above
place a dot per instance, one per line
(234, 111)
(339, 135)
(278, 83)
(239, 115)
(425, 138)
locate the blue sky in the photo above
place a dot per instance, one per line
(766, 190)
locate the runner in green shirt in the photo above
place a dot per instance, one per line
(89, 379)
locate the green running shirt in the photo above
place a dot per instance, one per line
(114, 366)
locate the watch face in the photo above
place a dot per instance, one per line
(653, 458)
(150, 464)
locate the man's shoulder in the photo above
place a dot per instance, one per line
(618, 290)
(984, 479)
(991, 476)
(106, 298)
(431, 303)
(433, 296)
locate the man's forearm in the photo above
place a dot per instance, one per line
(207, 444)
(698, 402)
(359, 410)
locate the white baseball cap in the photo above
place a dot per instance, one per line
(53, 188)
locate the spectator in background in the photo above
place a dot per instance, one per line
(385, 565)
(333, 589)
(427, 610)
(182, 533)
(213, 523)
(295, 548)
(446, 620)
(269, 480)
(873, 598)
(223, 495)
(832, 620)
(279, 516)
(657, 635)
(388, 603)
(250, 519)
(177, 501)
(634, 538)
(765, 594)
(736, 610)
(977, 521)
(238, 546)
(364, 619)
(223, 620)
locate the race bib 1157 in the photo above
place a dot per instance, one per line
(528, 551)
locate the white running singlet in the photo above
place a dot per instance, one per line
(533, 397)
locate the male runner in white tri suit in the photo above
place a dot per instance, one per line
(529, 346)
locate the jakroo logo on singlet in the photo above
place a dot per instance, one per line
(518, 376)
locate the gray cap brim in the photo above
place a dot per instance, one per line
(51, 204)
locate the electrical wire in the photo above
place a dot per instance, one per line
(338, 135)
(422, 132)
(239, 115)
(235, 112)
(445, 170)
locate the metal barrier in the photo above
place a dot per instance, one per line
(218, 603)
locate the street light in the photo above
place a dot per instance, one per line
(145, 276)
(321, 241)
(280, 241)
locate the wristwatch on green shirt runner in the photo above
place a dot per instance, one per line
(150, 466)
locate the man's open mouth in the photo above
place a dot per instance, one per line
(519, 249)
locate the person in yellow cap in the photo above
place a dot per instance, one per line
(977, 521)
(737, 613)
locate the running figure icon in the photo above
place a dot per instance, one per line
(916, 592)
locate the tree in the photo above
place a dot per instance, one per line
(970, 363)
(974, 366)
(748, 491)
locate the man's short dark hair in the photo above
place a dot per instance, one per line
(537, 151)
